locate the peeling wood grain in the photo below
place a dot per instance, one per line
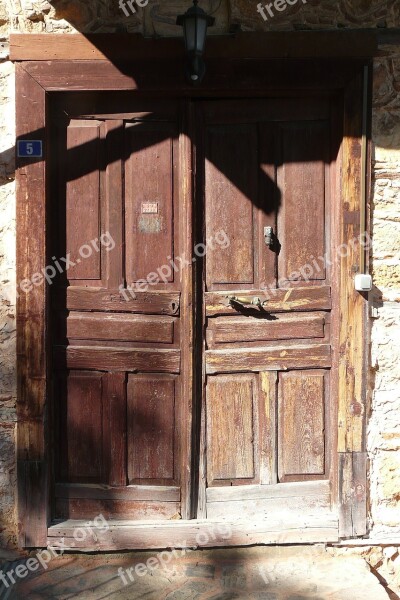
(247, 329)
(353, 494)
(352, 473)
(130, 46)
(117, 509)
(232, 438)
(31, 321)
(268, 422)
(272, 530)
(300, 489)
(242, 74)
(301, 424)
(268, 358)
(352, 303)
(276, 300)
(142, 493)
(126, 300)
(119, 359)
(126, 327)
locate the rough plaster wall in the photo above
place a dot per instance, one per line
(158, 18)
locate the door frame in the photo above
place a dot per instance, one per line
(240, 73)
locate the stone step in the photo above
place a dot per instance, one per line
(263, 573)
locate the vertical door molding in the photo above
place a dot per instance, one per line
(187, 283)
(32, 463)
(353, 322)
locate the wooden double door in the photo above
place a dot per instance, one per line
(194, 332)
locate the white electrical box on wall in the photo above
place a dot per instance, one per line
(363, 283)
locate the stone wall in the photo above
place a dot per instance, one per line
(384, 422)
(65, 16)
(159, 17)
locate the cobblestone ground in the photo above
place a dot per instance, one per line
(252, 574)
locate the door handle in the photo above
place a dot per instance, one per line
(256, 301)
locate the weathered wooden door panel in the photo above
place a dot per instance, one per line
(231, 176)
(302, 427)
(303, 180)
(83, 197)
(281, 300)
(117, 338)
(227, 330)
(285, 502)
(122, 344)
(150, 226)
(269, 411)
(152, 426)
(232, 425)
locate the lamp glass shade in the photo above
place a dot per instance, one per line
(195, 31)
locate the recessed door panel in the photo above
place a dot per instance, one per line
(302, 425)
(152, 405)
(232, 418)
(232, 177)
(302, 180)
(149, 199)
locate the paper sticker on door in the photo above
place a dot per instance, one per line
(150, 208)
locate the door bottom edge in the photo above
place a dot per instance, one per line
(193, 535)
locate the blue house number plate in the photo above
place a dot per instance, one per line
(30, 148)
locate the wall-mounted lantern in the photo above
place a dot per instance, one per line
(195, 22)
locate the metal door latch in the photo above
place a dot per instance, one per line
(256, 301)
(269, 236)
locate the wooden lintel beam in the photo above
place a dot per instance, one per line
(258, 45)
